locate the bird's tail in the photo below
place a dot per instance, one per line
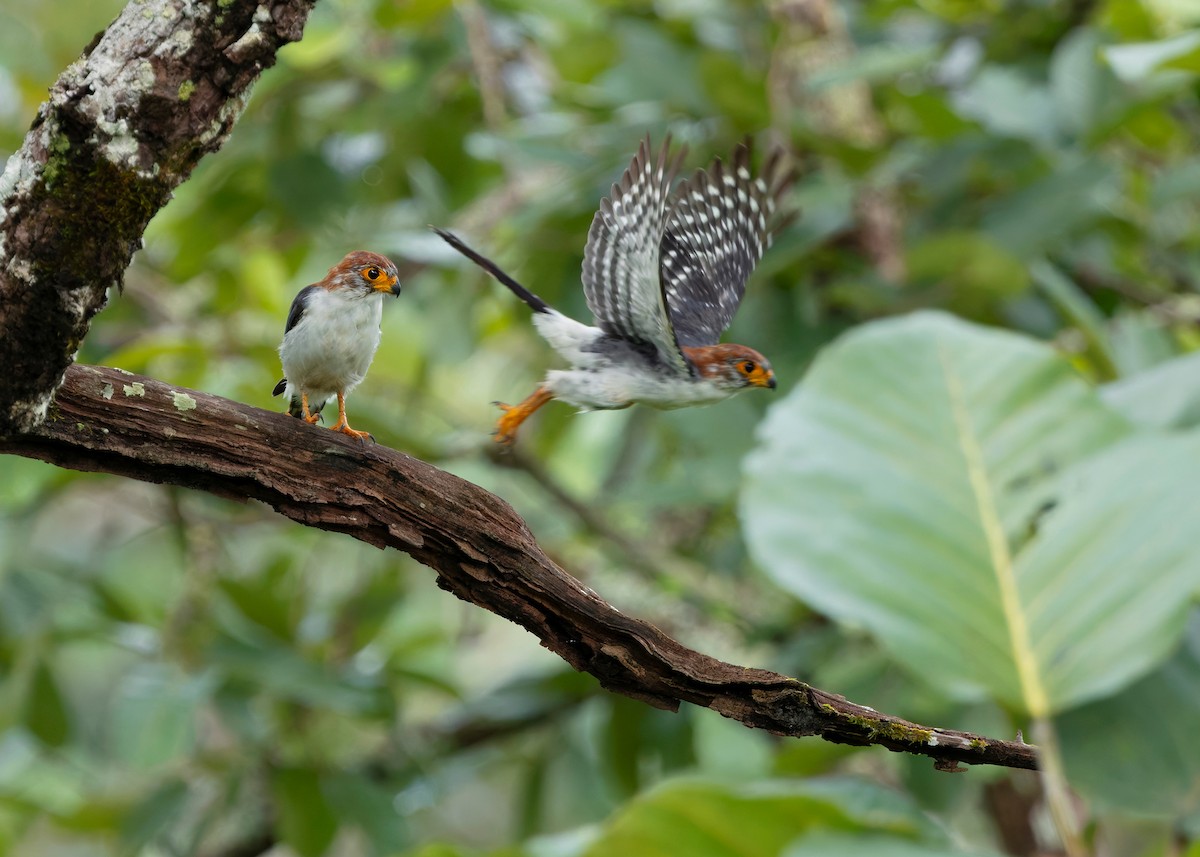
(492, 268)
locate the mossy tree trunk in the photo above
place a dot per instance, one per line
(124, 125)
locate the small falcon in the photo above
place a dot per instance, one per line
(663, 273)
(331, 335)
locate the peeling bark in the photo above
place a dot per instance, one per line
(124, 125)
(108, 420)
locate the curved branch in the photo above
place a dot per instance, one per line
(108, 420)
(123, 126)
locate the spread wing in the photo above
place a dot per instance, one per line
(621, 260)
(721, 221)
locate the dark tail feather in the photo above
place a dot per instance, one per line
(492, 268)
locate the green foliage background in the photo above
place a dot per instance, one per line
(181, 675)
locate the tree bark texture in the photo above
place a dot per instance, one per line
(123, 126)
(109, 420)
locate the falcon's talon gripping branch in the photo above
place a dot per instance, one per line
(331, 336)
(663, 274)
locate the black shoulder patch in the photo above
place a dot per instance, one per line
(280, 387)
(298, 305)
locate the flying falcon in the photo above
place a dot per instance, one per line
(663, 273)
(331, 335)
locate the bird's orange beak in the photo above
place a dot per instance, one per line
(389, 285)
(762, 378)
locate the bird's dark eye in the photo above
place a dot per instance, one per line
(373, 274)
(748, 366)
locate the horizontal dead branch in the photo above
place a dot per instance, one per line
(111, 421)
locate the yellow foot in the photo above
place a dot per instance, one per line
(311, 418)
(343, 424)
(506, 427)
(344, 428)
(505, 433)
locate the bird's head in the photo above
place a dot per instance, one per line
(364, 273)
(732, 367)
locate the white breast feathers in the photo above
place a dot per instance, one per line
(331, 347)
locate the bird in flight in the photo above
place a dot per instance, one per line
(663, 273)
(331, 335)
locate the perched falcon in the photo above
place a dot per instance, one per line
(331, 335)
(663, 273)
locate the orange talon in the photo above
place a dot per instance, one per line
(343, 425)
(514, 415)
(304, 414)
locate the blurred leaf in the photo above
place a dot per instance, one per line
(265, 599)
(1166, 396)
(154, 716)
(823, 844)
(960, 493)
(1076, 81)
(284, 671)
(727, 749)
(1137, 751)
(1135, 62)
(306, 187)
(24, 479)
(372, 808)
(37, 778)
(307, 822)
(970, 267)
(654, 68)
(1043, 212)
(1075, 307)
(1008, 103)
(45, 710)
(880, 63)
(702, 819)
(153, 815)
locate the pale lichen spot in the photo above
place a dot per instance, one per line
(183, 402)
(145, 74)
(106, 391)
(137, 388)
(186, 89)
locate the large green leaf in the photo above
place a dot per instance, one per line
(706, 819)
(1163, 396)
(824, 844)
(1137, 751)
(963, 495)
